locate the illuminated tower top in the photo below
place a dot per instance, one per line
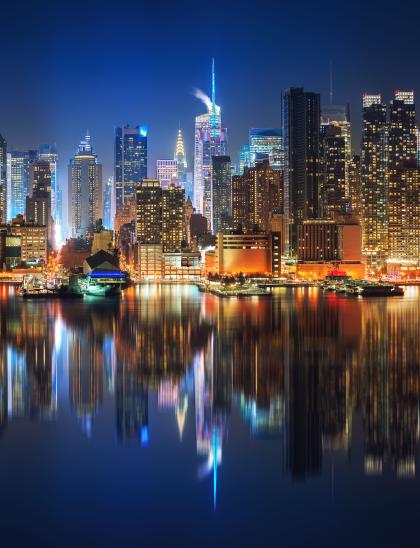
(179, 149)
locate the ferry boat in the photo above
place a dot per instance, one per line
(380, 290)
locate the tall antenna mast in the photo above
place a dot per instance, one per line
(331, 83)
(213, 87)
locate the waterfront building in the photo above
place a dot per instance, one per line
(149, 212)
(403, 178)
(3, 180)
(326, 244)
(266, 144)
(374, 191)
(237, 252)
(301, 134)
(18, 175)
(167, 172)
(210, 140)
(130, 161)
(34, 243)
(221, 193)
(85, 190)
(173, 218)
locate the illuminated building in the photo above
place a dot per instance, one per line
(149, 228)
(210, 140)
(221, 193)
(34, 243)
(173, 218)
(85, 190)
(189, 210)
(49, 154)
(354, 185)
(237, 252)
(374, 180)
(103, 240)
(130, 161)
(149, 212)
(108, 209)
(339, 117)
(301, 134)
(181, 265)
(403, 178)
(18, 170)
(256, 195)
(334, 189)
(181, 159)
(38, 203)
(325, 244)
(244, 159)
(125, 214)
(3, 180)
(167, 172)
(266, 144)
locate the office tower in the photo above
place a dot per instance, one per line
(244, 159)
(108, 217)
(256, 196)
(38, 203)
(181, 158)
(266, 144)
(167, 172)
(85, 190)
(374, 180)
(149, 212)
(49, 153)
(221, 193)
(402, 167)
(189, 211)
(210, 140)
(130, 161)
(301, 134)
(173, 218)
(3, 180)
(18, 173)
(339, 116)
(333, 192)
(354, 185)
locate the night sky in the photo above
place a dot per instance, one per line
(68, 66)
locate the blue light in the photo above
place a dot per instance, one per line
(144, 130)
(110, 274)
(144, 436)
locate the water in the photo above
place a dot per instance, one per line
(172, 417)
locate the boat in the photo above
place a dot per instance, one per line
(380, 290)
(103, 283)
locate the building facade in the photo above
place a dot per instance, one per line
(167, 172)
(130, 161)
(221, 193)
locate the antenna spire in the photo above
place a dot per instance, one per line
(331, 83)
(213, 86)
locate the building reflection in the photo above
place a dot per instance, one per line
(299, 368)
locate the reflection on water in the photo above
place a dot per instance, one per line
(298, 369)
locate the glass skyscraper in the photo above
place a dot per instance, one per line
(49, 153)
(130, 161)
(18, 181)
(266, 144)
(3, 180)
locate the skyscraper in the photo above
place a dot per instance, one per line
(221, 193)
(244, 159)
(49, 153)
(333, 192)
(301, 133)
(173, 218)
(85, 190)
(108, 217)
(374, 191)
(266, 144)
(210, 140)
(130, 161)
(18, 172)
(3, 180)
(256, 196)
(38, 202)
(167, 172)
(181, 158)
(149, 212)
(402, 173)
